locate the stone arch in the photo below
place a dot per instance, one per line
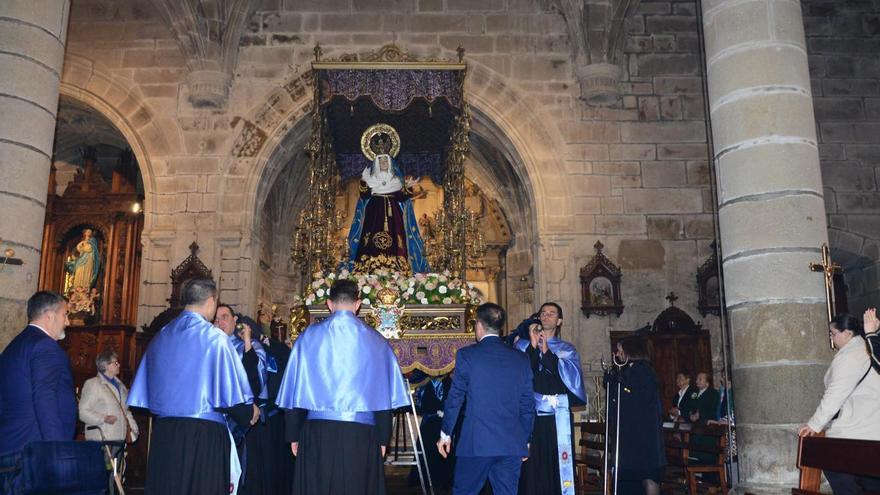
(502, 115)
(120, 102)
(515, 121)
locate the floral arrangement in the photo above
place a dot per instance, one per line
(421, 288)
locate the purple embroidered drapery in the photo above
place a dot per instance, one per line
(391, 90)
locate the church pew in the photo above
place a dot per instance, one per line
(859, 457)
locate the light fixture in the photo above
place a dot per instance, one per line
(136, 207)
(7, 258)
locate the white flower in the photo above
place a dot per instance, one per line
(447, 300)
(331, 276)
(420, 295)
(424, 301)
(410, 290)
(366, 301)
(366, 289)
(310, 300)
(443, 290)
(430, 286)
(319, 292)
(442, 278)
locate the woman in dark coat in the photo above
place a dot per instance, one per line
(642, 458)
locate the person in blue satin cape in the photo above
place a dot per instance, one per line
(252, 441)
(340, 388)
(495, 382)
(36, 387)
(191, 379)
(559, 385)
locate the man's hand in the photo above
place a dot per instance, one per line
(542, 342)
(256, 416)
(534, 332)
(528, 447)
(872, 324)
(110, 419)
(411, 182)
(443, 446)
(695, 416)
(383, 449)
(675, 412)
(806, 431)
(294, 446)
(245, 335)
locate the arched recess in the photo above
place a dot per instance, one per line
(504, 119)
(858, 255)
(120, 102)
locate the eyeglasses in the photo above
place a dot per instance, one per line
(113, 362)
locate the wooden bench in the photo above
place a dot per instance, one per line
(589, 460)
(685, 444)
(858, 457)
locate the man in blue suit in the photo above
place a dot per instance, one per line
(496, 382)
(36, 386)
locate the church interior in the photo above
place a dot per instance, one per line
(666, 169)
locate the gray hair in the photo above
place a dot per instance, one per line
(42, 302)
(103, 359)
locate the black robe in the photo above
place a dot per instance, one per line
(190, 455)
(255, 449)
(642, 455)
(427, 406)
(338, 457)
(540, 473)
(283, 459)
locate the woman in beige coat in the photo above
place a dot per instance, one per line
(102, 402)
(850, 405)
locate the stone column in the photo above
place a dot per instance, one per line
(772, 220)
(32, 36)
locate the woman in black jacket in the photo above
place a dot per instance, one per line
(642, 458)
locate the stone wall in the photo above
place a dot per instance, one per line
(634, 176)
(843, 40)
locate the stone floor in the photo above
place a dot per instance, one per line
(397, 478)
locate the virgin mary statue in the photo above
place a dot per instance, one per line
(384, 232)
(83, 269)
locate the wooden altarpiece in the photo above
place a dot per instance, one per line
(113, 213)
(674, 342)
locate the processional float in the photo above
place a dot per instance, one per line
(414, 113)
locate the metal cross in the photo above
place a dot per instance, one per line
(828, 268)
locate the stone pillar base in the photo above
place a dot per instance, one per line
(208, 88)
(599, 84)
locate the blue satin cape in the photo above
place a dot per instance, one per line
(569, 365)
(415, 247)
(340, 364)
(189, 370)
(262, 364)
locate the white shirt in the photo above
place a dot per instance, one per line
(681, 393)
(43, 329)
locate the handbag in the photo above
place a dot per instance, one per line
(129, 438)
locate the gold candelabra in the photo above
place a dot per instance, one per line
(316, 244)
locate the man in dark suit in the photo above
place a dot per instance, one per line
(704, 407)
(496, 382)
(36, 386)
(682, 401)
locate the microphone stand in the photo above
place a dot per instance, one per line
(609, 371)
